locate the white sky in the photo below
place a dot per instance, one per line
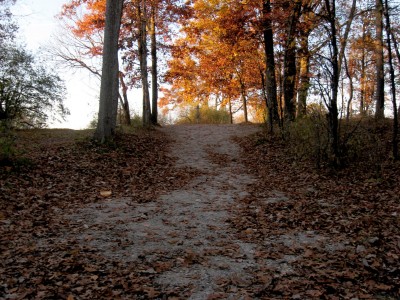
(37, 25)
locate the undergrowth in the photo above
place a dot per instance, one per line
(204, 115)
(362, 142)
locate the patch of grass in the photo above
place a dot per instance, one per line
(204, 115)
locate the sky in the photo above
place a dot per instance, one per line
(38, 24)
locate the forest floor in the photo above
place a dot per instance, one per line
(191, 212)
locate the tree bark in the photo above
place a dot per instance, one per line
(363, 77)
(230, 111)
(154, 75)
(345, 38)
(109, 88)
(396, 47)
(124, 101)
(380, 82)
(392, 84)
(304, 85)
(244, 99)
(142, 12)
(289, 63)
(270, 79)
(351, 89)
(332, 106)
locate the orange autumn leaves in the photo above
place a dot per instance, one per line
(218, 53)
(218, 56)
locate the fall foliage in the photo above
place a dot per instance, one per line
(304, 205)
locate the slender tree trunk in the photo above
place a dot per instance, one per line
(351, 90)
(363, 78)
(154, 75)
(397, 51)
(124, 100)
(380, 82)
(392, 84)
(264, 92)
(244, 100)
(142, 10)
(396, 47)
(289, 64)
(270, 79)
(304, 76)
(230, 111)
(342, 57)
(345, 38)
(332, 107)
(109, 88)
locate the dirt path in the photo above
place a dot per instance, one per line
(184, 234)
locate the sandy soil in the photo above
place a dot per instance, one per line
(185, 233)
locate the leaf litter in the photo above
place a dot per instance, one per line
(320, 234)
(185, 213)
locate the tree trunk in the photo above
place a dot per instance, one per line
(392, 84)
(230, 111)
(345, 38)
(124, 101)
(289, 63)
(154, 75)
(380, 82)
(342, 57)
(109, 88)
(332, 107)
(363, 77)
(244, 100)
(270, 121)
(142, 11)
(304, 75)
(396, 47)
(270, 80)
(351, 89)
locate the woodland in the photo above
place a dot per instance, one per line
(285, 110)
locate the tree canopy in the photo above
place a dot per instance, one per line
(246, 57)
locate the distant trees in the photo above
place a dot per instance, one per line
(144, 35)
(7, 25)
(246, 56)
(29, 92)
(305, 51)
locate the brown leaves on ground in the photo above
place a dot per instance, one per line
(321, 235)
(62, 170)
(318, 235)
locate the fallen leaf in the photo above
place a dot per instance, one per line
(105, 194)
